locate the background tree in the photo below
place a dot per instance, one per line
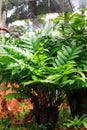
(0, 10)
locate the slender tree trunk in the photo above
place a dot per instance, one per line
(33, 8)
(2, 18)
(0, 11)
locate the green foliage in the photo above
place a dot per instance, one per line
(64, 115)
(77, 122)
(48, 62)
(5, 123)
(66, 121)
(67, 54)
(11, 96)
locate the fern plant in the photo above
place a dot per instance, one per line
(50, 66)
(34, 69)
(32, 61)
(29, 64)
(73, 27)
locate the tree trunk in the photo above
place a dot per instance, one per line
(33, 8)
(2, 18)
(0, 11)
(44, 111)
(78, 101)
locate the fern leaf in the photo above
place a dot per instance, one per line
(67, 54)
(17, 52)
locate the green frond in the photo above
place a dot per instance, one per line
(29, 44)
(26, 44)
(67, 54)
(17, 52)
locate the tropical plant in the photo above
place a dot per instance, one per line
(29, 63)
(73, 28)
(33, 69)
